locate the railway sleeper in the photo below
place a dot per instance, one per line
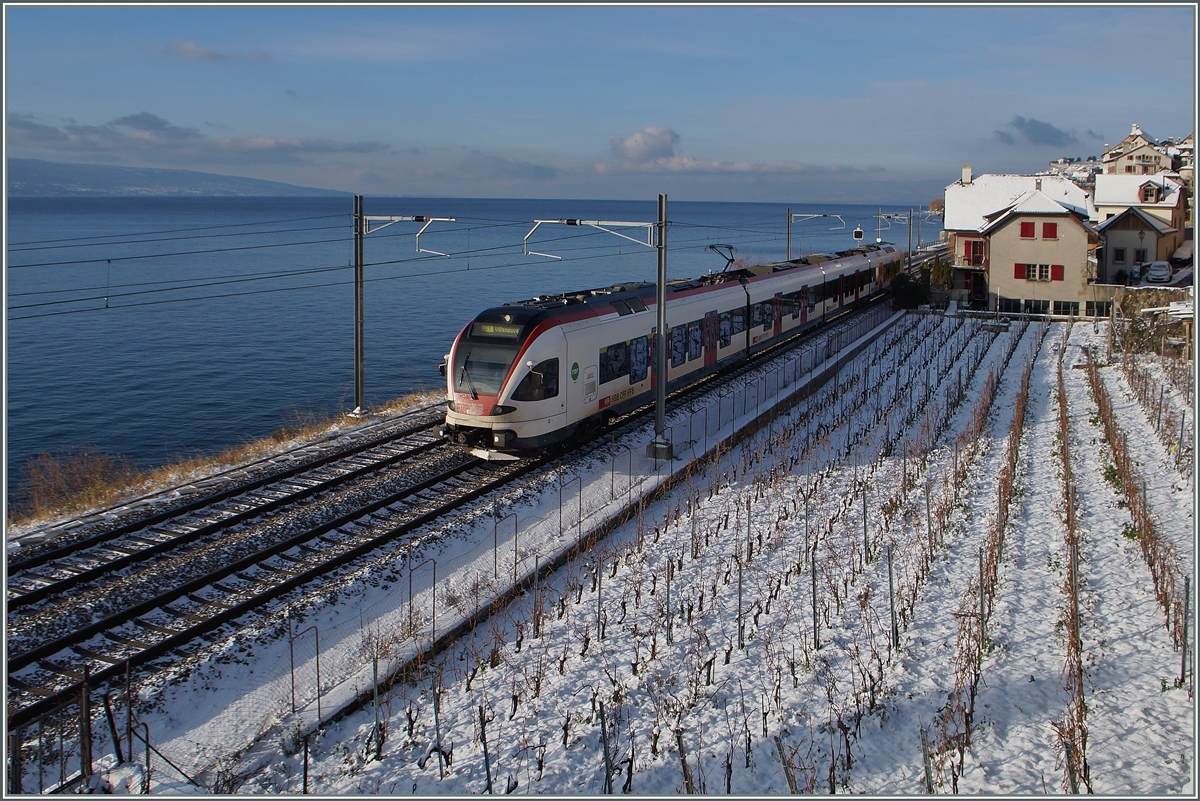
(54, 667)
(123, 640)
(88, 653)
(41, 692)
(177, 613)
(208, 602)
(155, 628)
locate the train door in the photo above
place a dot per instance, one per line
(803, 305)
(857, 284)
(777, 313)
(712, 324)
(841, 290)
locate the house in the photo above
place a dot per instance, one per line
(1041, 255)
(1162, 196)
(1131, 238)
(978, 213)
(1136, 154)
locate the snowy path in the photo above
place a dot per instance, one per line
(1020, 692)
(1128, 655)
(1170, 495)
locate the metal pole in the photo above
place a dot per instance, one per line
(359, 232)
(659, 447)
(789, 234)
(909, 254)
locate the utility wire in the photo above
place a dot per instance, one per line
(178, 230)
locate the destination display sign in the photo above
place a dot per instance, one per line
(501, 330)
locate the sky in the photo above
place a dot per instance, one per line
(767, 103)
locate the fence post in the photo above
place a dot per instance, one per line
(112, 728)
(928, 764)
(85, 727)
(14, 761)
(1187, 593)
(892, 600)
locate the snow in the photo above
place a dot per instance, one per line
(848, 715)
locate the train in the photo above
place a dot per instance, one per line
(531, 374)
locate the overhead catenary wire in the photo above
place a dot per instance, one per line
(464, 269)
(750, 236)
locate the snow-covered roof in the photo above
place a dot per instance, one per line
(1125, 190)
(1149, 220)
(968, 205)
(1030, 203)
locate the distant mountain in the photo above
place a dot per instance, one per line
(37, 178)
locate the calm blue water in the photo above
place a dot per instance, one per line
(227, 316)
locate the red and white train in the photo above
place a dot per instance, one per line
(529, 374)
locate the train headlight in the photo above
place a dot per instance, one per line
(499, 410)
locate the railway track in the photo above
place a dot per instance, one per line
(139, 621)
(93, 608)
(56, 570)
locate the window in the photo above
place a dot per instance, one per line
(1027, 230)
(1097, 308)
(695, 348)
(1066, 308)
(1139, 255)
(614, 362)
(1119, 255)
(1049, 230)
(1057, 272)
(1037, 307)
(1043, 272)
(1019, 272)
(540, 384)
(639, 359)
(678, 348)
(1128, 168)
(1149, 194)
(1009, 305)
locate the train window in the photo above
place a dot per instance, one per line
(738, 320)
(540, 384)
(639, 359)
(622, 307)
(614, 362)
(678, 345)
(758, 315)
(695, 347)
(636, 304)
(725, 330)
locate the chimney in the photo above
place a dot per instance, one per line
(966, 175)
(1037, 184)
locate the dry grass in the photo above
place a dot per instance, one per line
(84, 479)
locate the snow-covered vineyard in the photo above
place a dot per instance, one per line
(960, 566)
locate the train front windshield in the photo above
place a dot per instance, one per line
(479, 369)
(487, 350)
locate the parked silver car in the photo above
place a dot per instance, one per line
(1159, 272)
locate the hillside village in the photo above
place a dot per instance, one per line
(1069, 240)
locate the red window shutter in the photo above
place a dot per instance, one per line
(967, 249)
(1027, 230)
(1056, 272)
(1019, 272)
(1049, 230)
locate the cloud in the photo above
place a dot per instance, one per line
(652, 150)
(151, 137)
(1037, 132)
(488, 167)
(651, 142)
(1005, 138)
(190, 51)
